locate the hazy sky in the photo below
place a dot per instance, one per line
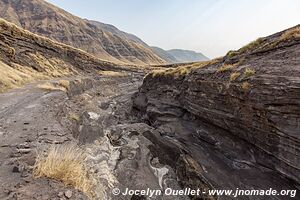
(209, 26)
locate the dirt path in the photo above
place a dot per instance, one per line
(28, 118)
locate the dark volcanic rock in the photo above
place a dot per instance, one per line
(238, 114)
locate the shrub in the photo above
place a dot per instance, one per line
(251, 46)
(64, 163)
(64, 84)
(245, 85)
(51, 87)
(234, 76)
(232, 53)
(112, 73)
(291, 33)
(248, 72)
(73, 116)
(225, 67)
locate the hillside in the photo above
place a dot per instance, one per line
(236, 117)
(164, 55)
(101, 40)
(26, 57)
(179, 55)
(187, 56)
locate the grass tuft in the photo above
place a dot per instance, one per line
(73, 116)
(51, 87)
(234, 76)
(245, 86)
(65, 163)
(112, 73)
(225, 68)
(249, 47)
(64, 83)
(290, 34)
(248, 72)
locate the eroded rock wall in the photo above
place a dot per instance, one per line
(261, 108)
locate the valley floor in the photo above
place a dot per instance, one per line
(120, 148)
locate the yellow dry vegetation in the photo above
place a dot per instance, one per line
(234, 76)
(112, 73)
(245, 85)
(73, 116)
(249, 47)
(291, 33)
(226, 67)
(61, 85)
(182, 69)
(51, 87)
(64, 83)
(12, 77)
(65, 163)
(248, 72)
(261, 43)
(53, 67)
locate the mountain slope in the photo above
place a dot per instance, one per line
(25, 57)
(102, 40)
(179, 55)
(164, 55)
(187, 56)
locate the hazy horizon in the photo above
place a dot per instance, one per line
(209, 27)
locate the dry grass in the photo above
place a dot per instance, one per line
(249, 47)
(234, 76)
(65, 163)
(112, 73)
(64, 84)
(51, 87)
(262, 43)
(248, 72)
(182, 69)
(290, 34)
(252, 45)
(245, 86)
(179, 71)
(225, 68)
(12, 77)
(155, 73)
(73, 116)
(293, 33)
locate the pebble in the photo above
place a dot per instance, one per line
(68, 194)
(60, 194)
(15, 169)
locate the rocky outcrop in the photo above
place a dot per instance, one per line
(237, 116)
(101, 40)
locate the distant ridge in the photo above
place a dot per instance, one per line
(179, 55)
